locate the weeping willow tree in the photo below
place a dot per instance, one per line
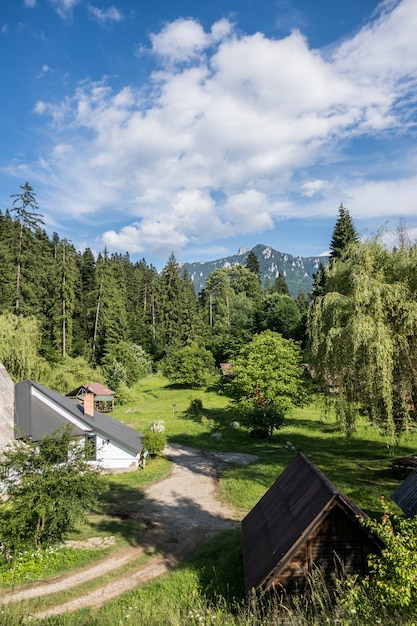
(363, 335)
(20, 343)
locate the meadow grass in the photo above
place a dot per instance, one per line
(359, 464)
(208, 587)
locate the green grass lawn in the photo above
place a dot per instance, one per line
(359, 465)
(210, 582)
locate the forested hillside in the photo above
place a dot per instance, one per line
(67, 315)
(71, 304)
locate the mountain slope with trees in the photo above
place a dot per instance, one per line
(298, 271)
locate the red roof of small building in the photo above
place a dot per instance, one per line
(98, 390)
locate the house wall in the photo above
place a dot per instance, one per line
(6, 408)
(111, 455)
(337, 544)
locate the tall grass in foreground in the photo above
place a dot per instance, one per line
(207, 591)
(316, 608)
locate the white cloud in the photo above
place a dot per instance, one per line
(385, 198)
(214, 144)
(64, 7)
(105, 16)
(249, 211)
(30, 4)
(185, 39)
(311, 187)
(45, 70)
(179, 41)
(62, 149)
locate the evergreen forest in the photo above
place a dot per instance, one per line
(67, 316)
(60, 304)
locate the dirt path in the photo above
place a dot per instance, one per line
(182, 510)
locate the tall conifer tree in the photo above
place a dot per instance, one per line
(25, 207)
(344, 234)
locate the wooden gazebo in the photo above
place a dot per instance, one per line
(103, 397)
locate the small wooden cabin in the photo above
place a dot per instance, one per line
(405, 496)
(303, 521)
(103, 397)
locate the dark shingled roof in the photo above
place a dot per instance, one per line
(405, 496)
(285, 516)
(35, 418)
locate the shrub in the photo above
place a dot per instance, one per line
(392, 587)
(126, 362)
(190, 366)
(196, 407)
(154, 441)
(266, 418)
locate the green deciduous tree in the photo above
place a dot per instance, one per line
(191, 365)
(136, 364)
(363, 335)
(50, 488)
(231, 300)
(20, 343)
(281, 314)
(392, 586)
(267, 376)
(66, 374)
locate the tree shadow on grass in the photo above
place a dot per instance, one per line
(172, 529)
(359, 465)
(219, 564)
(122, 505)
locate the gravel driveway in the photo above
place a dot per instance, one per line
(182, 511)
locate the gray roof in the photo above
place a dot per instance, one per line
(405, 496)
(35, 419)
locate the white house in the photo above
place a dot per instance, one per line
(33, 411)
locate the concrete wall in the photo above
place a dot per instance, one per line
(6, 408)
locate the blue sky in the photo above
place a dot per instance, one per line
(203, 127)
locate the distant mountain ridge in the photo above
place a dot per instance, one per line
(298, 271)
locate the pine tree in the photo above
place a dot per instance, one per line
(281, 286)
(252, 264)
(85, 294)
(7, 263)
(344, 234)
(65, 278)
(178, 314)
(25, 207)
(110, 326)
